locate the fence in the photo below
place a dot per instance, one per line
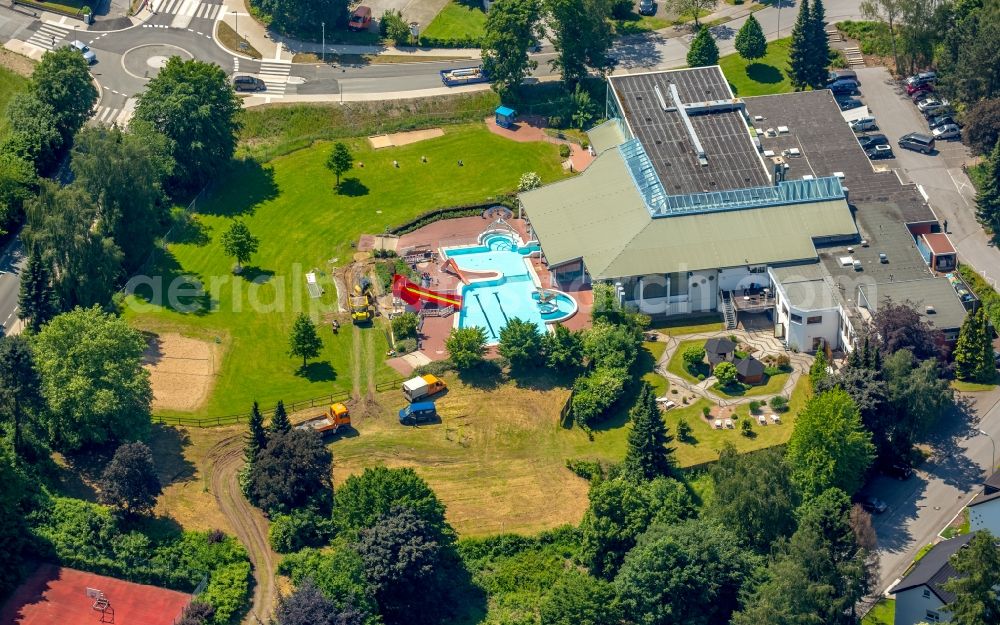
(233, 419)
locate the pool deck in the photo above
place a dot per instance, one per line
(465, 231)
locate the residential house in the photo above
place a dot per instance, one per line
(920, 595)
(984, 510)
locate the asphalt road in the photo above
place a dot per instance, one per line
(11, 263)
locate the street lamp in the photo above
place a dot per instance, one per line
(237, 15)
(993, 464)
(323, 24)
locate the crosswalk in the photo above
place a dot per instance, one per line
(108, 115)
(186, 10)
(48, 36)
(275, 76)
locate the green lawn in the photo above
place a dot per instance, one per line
(884, 613)
(648, 357)
(10, 83)
(457, 21)
(773, 385)
(636, 23)
(69, 6)
(762, 76)
(677, 366)
(973, 387)
(688, 325)
(302, 223)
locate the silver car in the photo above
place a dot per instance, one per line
(88, 54)
(947, 131)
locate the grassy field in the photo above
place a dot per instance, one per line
(884, 613)
(688, 325)
(773, 385)
(303, 224)
(972, 387)
(457, 21)
(636, 23)
(10, 83)
(762, 76)
(647, 360)
(677, 366)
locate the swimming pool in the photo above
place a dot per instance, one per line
(492, 302)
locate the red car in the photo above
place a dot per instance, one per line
(917, 88)
(361, 18)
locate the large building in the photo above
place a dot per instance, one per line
(764, 209)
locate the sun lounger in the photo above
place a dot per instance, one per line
(718, 424)
(729, 424)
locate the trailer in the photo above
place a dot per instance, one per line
(423, 386)
(337, 417)
(464, 76)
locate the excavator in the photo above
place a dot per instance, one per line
(362, 301)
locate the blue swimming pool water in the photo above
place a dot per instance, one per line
(490, 304)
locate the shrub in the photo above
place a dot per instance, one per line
(701, 377)
(405, 325)
(587, 469)
(693, 356)
(436, 367)
(301, 528)
(746, 427)
(227, 591)
(594, 393)
(705, 410)
(564, 150)
(725, 372)
(406, 346)
(684, 429)
(395, 28)
(466, 346)
(529, 180)
(754, 407)
(779, 403)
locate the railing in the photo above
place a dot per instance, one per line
(437, 312)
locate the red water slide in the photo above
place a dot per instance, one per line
(412, 293)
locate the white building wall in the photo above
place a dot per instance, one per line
(739, 278)
(912, 607)
(801, 335)
(703, 291)
(985, 516)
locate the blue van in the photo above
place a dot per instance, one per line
(419, 412)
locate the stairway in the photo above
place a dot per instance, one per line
(728, 312)
(854, 57)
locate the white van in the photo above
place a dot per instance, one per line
(865, 124)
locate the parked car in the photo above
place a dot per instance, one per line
(419, 412)
(848, 103)
(879, 152)
(874, 505)
(917, 141)
(914, 88)
(940, 120)
(843, 86)
(870, 141)
(863, 124)
(923, 78)
(921, 94)
(947, 131)
(932, 106)
(937, 110)
(899, 471)
(647, 7)
(361, 18)
(838, 74)
(248, 83)
(88, 54)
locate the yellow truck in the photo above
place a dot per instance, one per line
(362, 300)
(337, 417)
(422, 387)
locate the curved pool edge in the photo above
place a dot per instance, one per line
(568, 315)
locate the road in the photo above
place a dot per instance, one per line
(11, 264)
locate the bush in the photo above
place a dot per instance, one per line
(406, 346)
(706, 410)
(779, 403)
(701, 377)
(693, 356)
(587, 469)
(595, 392)
(405, 325)
(227, 591)
(564, 150)
(684, 429)
(436, 367)
(746, 427)
(395, 28)
(301, 528)
(529, 180)
(754, 407)
(872, 37)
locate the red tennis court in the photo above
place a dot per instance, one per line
(60, 596)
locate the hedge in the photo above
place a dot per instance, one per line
(460, 42)
(451, 212)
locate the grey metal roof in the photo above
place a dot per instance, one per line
(983, 498)
(749, 366)
(949, 313)
(606, 136)
(933, 570)
(719, 345)
(993, 481)
(701, 145)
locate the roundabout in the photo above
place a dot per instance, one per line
(145, 61)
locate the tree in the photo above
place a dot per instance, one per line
(34, 134)
(239, 243)
(829, 446)
(129, 482)
(694, 356)
(405, 325)
(899, 326)
(754, 496)
(299, 17)
(969, 57)
(975, 587)
(693, 8)
(362, 499)
(648, 455)
(21, 399)
(579, 599)
(886, 11)
(596, 392)
(306, 605)
(256, 438)
(988, 194)
(725, 373)
(123, 173)
(622, 509)
(917, 396)
(395, 28)
(817, 371)
(62, 80)
(197, 613)
(982, 125)
(93, 379)
(340, 161)
(280, 422)
(17, 184)
(800, 53)
(750, 41)
(563, 348)
(704, 50)
(581, 34)
(15, 536)
(508, 36)
(292, 470)
(521, 343)
(304, 341)
(37, 301)
(609, 344)
(683, 430)
(820, 46)
(974, 350)
(466, 346)
(401, 553)
(687, 573)
(194, 105)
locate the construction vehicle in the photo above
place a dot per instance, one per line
(423, 386)
(337, 417)
(362, 301)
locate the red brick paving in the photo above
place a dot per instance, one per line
(56, 596)
(529, 128)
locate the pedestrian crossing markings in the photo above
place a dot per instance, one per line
(191, 8)
(48, 36)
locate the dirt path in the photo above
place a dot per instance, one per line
(226, 460)
(356, 365)
(370, 360)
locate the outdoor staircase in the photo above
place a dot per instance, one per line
(854, 57)
(728, 311)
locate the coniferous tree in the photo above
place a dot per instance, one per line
(750, 41)
(37, 300)
(974, 350)
(800, 52)
(820, 46)
(978, 566)
(648, 456)
(988, 197)
(256, 438)
(704, 50)
(280, 422)
(817, 371)
(304, 341)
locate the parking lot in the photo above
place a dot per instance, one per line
(939, 174)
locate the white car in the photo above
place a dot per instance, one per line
(929, 106)
(88, 54)
(948, 131)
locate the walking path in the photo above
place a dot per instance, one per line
(761, 344)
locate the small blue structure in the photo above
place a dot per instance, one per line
(505, 116)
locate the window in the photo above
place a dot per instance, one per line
(927, 593)
(796, 318)
(933, 616)
(816, 319)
